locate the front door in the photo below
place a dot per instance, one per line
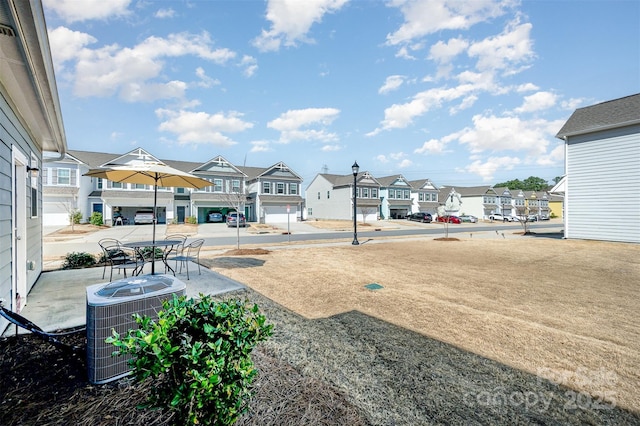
(180, 211)
(19, 216)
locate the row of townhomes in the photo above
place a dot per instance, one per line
(266, 195)
(330, 196)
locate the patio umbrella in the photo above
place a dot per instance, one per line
(150, 173)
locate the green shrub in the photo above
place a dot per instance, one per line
(198, 354)
(75, 216)
(146, 252)
(192, 220)
(78, 260)
(96, 219)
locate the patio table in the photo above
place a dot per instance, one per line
(154, 244)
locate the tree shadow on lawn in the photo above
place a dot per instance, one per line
(397, 376)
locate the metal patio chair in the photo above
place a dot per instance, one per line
(191, 253)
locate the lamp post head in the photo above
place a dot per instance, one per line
(355, 168)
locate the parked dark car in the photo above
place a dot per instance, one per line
(214, 217)
(450, 219)
(232, 220)
(420, 217)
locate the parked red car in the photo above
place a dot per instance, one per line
(450, 219)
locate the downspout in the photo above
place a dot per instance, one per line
(565, 213)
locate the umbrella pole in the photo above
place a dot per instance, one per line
(155, 219)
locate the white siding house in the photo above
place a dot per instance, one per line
(30, 123)
(330, 196)
(602, 166)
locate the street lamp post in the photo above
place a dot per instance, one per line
(355, 168)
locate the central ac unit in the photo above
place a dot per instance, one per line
(111, 306)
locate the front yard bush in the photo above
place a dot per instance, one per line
(192, 220)
(96, 219)
(78, 261)
(198, 355)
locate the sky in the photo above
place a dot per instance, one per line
(464, 93)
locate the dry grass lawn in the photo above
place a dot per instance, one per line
(562, 310)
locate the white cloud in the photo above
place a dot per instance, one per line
(444, 53)
(205, 81)
(538, 101)
(382, 158)
(424, 17)
(165, 13)
(74, 10)
(466, 103)
(331, 148)
(405, 163)
(391, 83)
(260, 146)
(403, 53)
(487, 169)
(495, 134)
(527, 87)
(292, 124)
(291, 20)
(402, 115)
(129, 72)
(201, 127)
(65, 45)
(250, 65)
(502, 52)
(432, 146)
(572, 103)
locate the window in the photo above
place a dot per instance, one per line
(139, 186)
(266, 188)
(365, 192)
(293, 188)
(179, 190)
(407, 194)
(318, 195)
(374, 192)
(280, 188)
(392, 194)
(116, 185)
(357, 192)
(64, 177)
(217, 185)
(310, 211)
(99, 183)
(328, 195)
(421, 196)
(235, 186)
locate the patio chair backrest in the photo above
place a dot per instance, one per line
(182, 238)
(193, 249)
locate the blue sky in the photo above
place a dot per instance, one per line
(463, 93)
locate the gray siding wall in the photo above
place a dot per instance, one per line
(603, 186)
(12, 133)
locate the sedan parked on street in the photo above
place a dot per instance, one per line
(420, 217)
(449, 219)
(232, 220)
(469, 218)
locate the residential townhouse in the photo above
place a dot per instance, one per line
(30, 123)
(330, 196)
(424, 197)
(232, 187)
(395, 197)
(273, 194)
(602, 157)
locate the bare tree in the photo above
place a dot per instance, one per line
(71, 207)
(237, 199)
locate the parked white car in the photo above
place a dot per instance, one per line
(143, 216)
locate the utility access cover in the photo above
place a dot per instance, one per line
(373, 286)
